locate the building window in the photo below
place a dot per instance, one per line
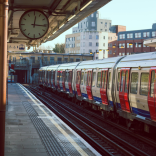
(83, 44)
(120, 54)
(77, 60)
(101, 29)
(105, 29)
(90, 50)
(123, 54)
(93, 24)
(90, 44)
(104, 44)
(83, 36)
(83, 50)
(123, 44)
(87, 24)
(101, 22)
(110, 52)
(137, 35)
(97, 36)
(122, 36)
(97, 44)
(153, 33)
(104, 37)
(110, 45)
(146, 34)
(97, 15)
(127, 45)
(127, 53)
(130, 35)
(105, 24)
(92, 15)
(90, 36)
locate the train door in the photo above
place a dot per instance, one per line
(152, 93)
(103, 89)
(124, 89)
(51, 79)
(78, 81)
(47, 75)
(89, 84)
(66, 81)
(70, 81)
(58, 79)
(54, 79)
(96, 84)
(83, 84)
(109, 87)
(63, 80)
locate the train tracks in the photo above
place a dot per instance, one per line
(102, 140)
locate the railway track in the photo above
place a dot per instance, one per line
(102, 140)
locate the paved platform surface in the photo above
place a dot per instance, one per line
(33, 130)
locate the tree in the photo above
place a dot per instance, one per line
(59, 48)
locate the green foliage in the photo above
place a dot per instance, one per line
(59, 48)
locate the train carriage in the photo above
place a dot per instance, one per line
(67, 80)
(135, 88)
(95, 86)
(123, 87)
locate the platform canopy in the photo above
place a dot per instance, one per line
(62, 15)
(150, 42)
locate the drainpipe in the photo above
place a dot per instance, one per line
(3, 69)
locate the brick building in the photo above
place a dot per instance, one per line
(130, 42)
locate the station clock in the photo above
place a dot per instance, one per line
(34, 24)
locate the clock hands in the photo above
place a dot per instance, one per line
(38, 25)
(34, 21)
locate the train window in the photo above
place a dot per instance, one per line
(51, 75)
(144, 84)
(82, 75)
(99, 80)
(67, 75)
(78, 77)
(60, 76)
(93, 79)
(85, 78)
(63, 76)
(122, 80)
(126, 81)
(118, 81)
(103, 79)
(134, 83)
(152, 84)
(109, 83)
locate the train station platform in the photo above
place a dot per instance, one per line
(33, 130)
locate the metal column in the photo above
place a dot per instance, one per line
(3, 69)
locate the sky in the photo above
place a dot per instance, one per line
(134, 14)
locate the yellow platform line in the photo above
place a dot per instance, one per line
(78, 148)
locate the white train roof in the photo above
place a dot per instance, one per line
(104, 63)
(68, 66)
(43, 68)
(136, 60)
(53, 67)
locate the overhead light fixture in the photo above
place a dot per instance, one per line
(85, 5)
(71, 17)
(61, 26)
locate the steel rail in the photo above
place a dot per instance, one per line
(100, 129)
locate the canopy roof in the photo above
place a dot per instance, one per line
(59, 12)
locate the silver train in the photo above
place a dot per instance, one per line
(121, 88)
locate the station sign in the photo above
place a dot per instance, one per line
(16, 47)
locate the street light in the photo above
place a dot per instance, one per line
(94, 53)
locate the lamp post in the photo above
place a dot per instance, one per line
(94, 53)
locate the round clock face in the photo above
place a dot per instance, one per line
(34, 24)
